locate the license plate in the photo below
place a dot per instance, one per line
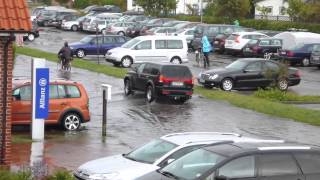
(177, 83)
(201, 80)
(216, 42)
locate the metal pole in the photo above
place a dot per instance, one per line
(104, 114)
(98, 46)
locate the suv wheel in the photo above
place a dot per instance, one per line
(74, 28)
(227, 84)
(282, 84)
(31, 37)
(80, 53)
(150, 94)
(127, 87)
(126, 61)
(71, 121)
(305, 62)
(176, 60)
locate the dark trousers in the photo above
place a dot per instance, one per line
(206, 60)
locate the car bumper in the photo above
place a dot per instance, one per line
(112, 59)
(212, 83)
(294, 82)
(65, 27)
(162, 91)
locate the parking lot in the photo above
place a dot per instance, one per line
(132, 121)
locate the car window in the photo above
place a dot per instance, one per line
(144, 45)
(120, 39)
(247, 37)
(255, 66)
(212, 31)
(161, 31)
(108, 40)
(309, 163)
(146, 69)
(316, 48)
(171, 30)
(310, 48)
(140, 68)
(97, 41)
(176, 71)
(72, 91)
(24, 93)
(190, 32)
(276, 42)
(272, 66)
(53, 92)
(277, 164)
(160, 44)
(243, 167)
(174, 44)
(61, 91)
(264, 43)
(179, 153)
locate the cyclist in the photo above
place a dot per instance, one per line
(206, 49)
(65, 55)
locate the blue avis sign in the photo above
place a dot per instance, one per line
(42, 93)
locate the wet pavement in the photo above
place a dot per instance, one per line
(133, 122)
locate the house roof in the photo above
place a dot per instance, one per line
(14, 16)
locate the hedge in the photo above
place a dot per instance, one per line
(256, 24)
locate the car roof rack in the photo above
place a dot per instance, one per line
(201, 133)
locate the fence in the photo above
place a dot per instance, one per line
(273, 18)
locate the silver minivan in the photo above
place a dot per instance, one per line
(315, 56)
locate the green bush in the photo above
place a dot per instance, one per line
(81, 4)
(20, 175)
(277, 95)
(61, 175)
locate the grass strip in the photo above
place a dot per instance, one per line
(258, 104)
(20, 139)
(263, 106)
(79, 63)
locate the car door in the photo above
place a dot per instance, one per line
(242, 168)
(278, 166)
(251, 75)
(21, 105)
(143, 77)
(57, 102)
(137, 69)
(108, 43)
(161, 50)
(270, 73)
(92, 48)
(309, 163)
(143, 51)
(315, 55)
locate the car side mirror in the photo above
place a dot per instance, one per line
(221, 178)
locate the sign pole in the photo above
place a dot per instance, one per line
(106, 95)
(40, 97)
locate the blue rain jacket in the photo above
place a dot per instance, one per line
(206, 46)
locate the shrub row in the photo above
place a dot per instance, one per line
(256, 24)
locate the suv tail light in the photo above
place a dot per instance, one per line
(238, 39)
(290, 53)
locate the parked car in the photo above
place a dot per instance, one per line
(66, 17)
(262, 47)
(173, 23)
(137, 18)
(92, 44)
(34, 33)
(315, 56)
(244, 161)
(236, 41)
(153, 155)
(150, 48)
(119, 28)
(211, 31)
(134, 30)
(159, 80)
(68, 104)
(158, 22)
(100, 24)
(251, 73)
(299, 54)
(45, 16)
(188, 34)
(162, 31)
(73, 25)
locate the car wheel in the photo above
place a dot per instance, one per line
(305, 62)
(71, 121)
(74, 28)
(176, 60)
(227, 84)
(282, 84)
(150, 94)
(31, 37)
(121, 33)
(126, 61)
(127, 87)
(182, 99)
(80, 53)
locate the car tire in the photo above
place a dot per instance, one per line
(150, 93)
(121, 33)
(126, 61)
(282, 84)
(182, 100)
(74, 28)
(31, 37)
(227, 84)
(127, 87)
(71, 122)
(176, 60)
(305, 62)
(80, 53)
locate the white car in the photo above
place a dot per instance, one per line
(188, 34)
(235, 43)
(71, 25)
(154, 155)
(162, 31)
(150, 49)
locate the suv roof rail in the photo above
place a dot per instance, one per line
(201, 133)
(284, 148)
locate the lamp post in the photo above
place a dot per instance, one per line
(98, 46)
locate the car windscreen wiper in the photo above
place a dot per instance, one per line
(168, 174)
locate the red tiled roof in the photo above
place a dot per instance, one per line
(14, 16)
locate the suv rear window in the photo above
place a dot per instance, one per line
(176, 71)
(233, 37)
(73, 91)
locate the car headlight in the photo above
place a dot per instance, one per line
(105, 176)
(213, 77)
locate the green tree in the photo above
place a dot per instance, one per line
(264, 11)
(295, 9)
(231, 9)
(81, 4)
(156, 7)
(62, 1)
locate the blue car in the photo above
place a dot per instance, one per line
(94, 45)
(299, 54)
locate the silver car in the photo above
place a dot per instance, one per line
(119, 28)
(154, 155)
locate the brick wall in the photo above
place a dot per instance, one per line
(7, 133)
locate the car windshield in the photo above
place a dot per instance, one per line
(176, 72)
(193, 165)
(130, 43)
(86, 39)
(150, 152)
(237, 65)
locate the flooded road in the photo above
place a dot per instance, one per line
(133, 122)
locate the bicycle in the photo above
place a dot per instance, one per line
(63, 64)
(199, 57)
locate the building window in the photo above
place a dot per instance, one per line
(282, 10)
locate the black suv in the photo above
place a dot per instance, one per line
(245, 161)
(160, 80)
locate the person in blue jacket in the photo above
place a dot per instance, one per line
(206, 49)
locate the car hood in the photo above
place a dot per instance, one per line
(117, 164)
(76, 44)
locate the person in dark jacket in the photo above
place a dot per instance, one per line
(65, 54)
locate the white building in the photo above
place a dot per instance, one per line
(276, 8)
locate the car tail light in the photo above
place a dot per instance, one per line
(298, 73)
(238, 39)
(290, 53)
(189, 81)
